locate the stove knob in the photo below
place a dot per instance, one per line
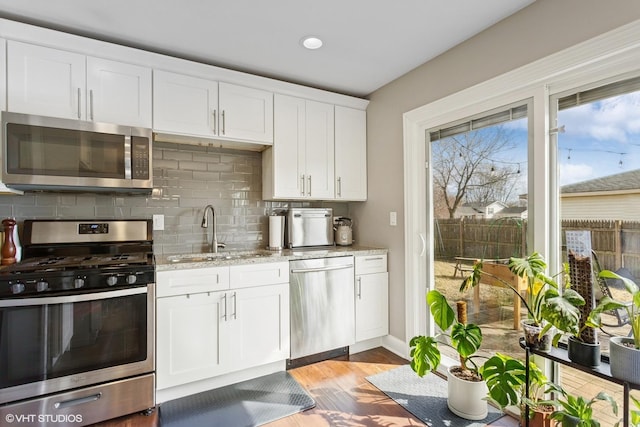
(17, 288)
(78, 282)
(131, 279)
(42, 286)
(112, 280)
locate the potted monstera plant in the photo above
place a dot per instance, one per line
(506, 380)
(466, 388)
(544, 304)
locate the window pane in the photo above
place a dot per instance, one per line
(479, 187)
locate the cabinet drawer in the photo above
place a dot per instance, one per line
(271, 273)
(191, 281)
(371, 264)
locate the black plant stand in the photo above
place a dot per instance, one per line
(603, 371)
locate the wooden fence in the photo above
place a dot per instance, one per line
(617, 243)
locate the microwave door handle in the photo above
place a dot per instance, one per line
(127, 156)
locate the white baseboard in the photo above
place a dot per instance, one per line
(396, 346)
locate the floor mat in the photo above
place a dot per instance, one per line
(425, 397)
(249, 403)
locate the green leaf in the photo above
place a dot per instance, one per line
(632, 288)
(562, 311)
(504, 375)
(442, 313)
(473, 279)
(425, 355)
(466, 339)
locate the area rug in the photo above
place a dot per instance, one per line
(249, 403)
(425, 397)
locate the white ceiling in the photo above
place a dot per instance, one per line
(367, 43)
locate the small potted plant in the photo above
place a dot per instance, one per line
(506, 380)
(576, 411)
(466, 388)
(624, 352)
(543, 301)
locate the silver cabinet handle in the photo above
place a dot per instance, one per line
(224, 316)
(378, 258)
(79, 96)
(224, 122)
(235, 306)
(91, 103)
(302, 188)
(309, 190)
(215, 120)
(359, 287)
(339, 187)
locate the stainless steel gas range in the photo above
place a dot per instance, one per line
(77, 323)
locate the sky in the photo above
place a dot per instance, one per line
(600, 138)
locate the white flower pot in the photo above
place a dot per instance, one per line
(465, 398)
(624, 361)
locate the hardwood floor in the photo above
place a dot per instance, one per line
(343, 396)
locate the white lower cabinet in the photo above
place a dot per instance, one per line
(213, 332)
(372, 297)
(190, 331)
(258, 326)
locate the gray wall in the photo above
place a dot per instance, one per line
(186, 179)
(539, 30)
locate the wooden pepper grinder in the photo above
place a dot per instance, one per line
(9, 246)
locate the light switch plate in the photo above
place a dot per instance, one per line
(393, 218)
(158, 222)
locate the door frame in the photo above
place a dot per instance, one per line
(613, 53)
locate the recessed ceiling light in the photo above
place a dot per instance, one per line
(311, 42)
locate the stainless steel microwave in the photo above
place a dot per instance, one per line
(47, 153)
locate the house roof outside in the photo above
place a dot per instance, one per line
(625, 181)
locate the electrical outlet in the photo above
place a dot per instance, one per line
(158, 222)
(393, 218)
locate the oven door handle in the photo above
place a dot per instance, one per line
(27, 302)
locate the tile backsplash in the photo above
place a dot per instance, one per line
(186, 179)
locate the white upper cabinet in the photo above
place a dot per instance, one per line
(45, 81)
(319, 147)
(184, 105)
(245, 113)
(57, 83)
(300, 164)
(350, 153)
(118, 92)
(192, 106)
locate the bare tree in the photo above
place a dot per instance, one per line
(465, 167)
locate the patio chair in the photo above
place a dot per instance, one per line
(606, 285)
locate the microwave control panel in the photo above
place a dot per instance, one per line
(139, 157)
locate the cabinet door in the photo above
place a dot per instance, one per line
(288, 155)
(3, 75)
(319, 150)
(45, 81)
(188, 338)
(372, 301)
(351, 153)
(245, 113)
(118, 93)
(259, 325)
(184, 105)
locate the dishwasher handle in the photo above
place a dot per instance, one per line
(325, 268)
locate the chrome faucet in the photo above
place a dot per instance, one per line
(205, 224)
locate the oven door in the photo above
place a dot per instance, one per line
(51, 344)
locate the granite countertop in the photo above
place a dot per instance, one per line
(226, 258)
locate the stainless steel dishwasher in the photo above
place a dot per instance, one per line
(322, 308)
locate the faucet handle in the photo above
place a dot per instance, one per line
(222, 245)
